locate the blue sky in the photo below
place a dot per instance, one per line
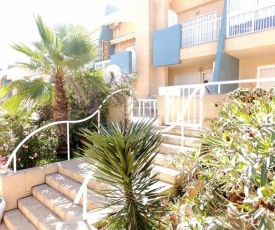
(17, 22)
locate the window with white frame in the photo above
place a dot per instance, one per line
(266, 72)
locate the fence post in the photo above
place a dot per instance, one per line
(98, 119)
(14, 163)
(68, 140)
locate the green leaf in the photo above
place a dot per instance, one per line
(258, 213)
(263, 175)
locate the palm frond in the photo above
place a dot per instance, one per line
(34, 55)
(25, 92)
(45, 33)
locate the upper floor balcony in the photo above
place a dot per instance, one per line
(123, 60)
(250, 28)
(102, 64)
(248, 17)
(199, 30)
(196, 38)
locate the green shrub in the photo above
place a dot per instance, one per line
(38, 149)
(235, 167)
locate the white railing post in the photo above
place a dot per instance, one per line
(14, 163)
(68, 140)
(83, 191)
(201, 105)
(85, 199)
(182, 133)
(98, 119)
(139, 108)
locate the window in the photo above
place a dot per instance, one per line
(266, 72)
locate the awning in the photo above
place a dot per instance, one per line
(123, 38)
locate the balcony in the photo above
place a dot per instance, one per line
(257, 18)
(102, 64)
(200, 33)
(123, 60)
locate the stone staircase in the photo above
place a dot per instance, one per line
(50, 205)
(170, 150)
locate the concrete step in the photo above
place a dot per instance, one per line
(51, 205)
(173, 149)
(77, 169)
(75, 223)
(166, 160)
(55, 201)
(70, 188)
(16, 220)
(188, 132)
(70, 168)
(164, 187)
(176, 140)
(39, 215)
(167, 175)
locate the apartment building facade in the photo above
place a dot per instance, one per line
(182, 42)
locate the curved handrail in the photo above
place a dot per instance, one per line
(13, 155)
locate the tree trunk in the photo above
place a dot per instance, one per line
(60, 112)
(60, 102)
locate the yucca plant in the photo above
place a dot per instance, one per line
(122, 158)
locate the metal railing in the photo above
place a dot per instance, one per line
(192, 93)
(188, 99)
(97, 112)
(183, 97)
(102, 64)
(258, 18)
(201, 33)
(83, 191)
(145, 108)
(181, 117)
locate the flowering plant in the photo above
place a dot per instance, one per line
(38, 150)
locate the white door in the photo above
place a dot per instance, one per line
(187, 79)
(266, 72)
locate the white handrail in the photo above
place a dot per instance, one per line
(180, 119)
(196, 87)
(13, 155)
(83, 191)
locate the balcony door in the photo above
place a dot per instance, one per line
(266, 72)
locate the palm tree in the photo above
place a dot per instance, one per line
(122, 158)
(62, 53)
